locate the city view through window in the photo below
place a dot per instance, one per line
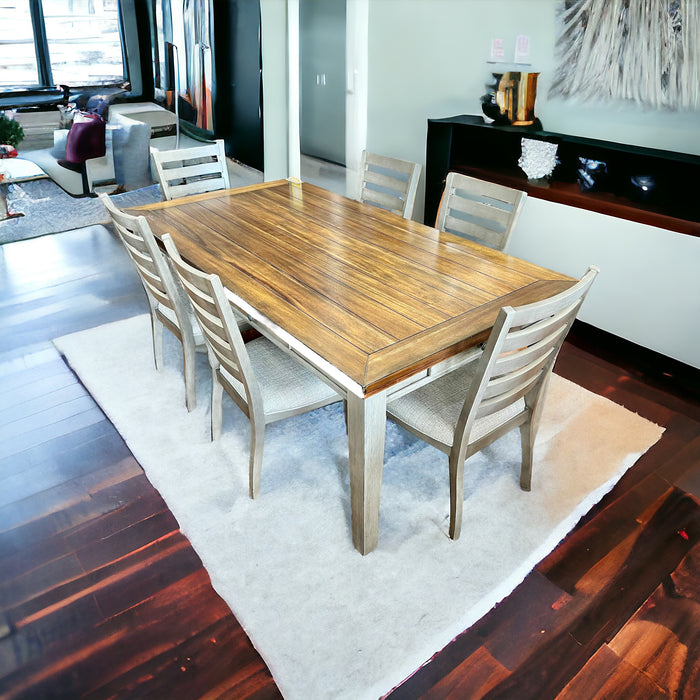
(82, 40)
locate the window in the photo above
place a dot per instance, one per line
(60, 42)
(18, 65)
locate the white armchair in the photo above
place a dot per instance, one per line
(96, 170)
(127, 158)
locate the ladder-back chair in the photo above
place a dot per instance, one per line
(465, 410)
(265, 382)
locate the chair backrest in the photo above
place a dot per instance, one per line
(150, 263)
(194, 170)
(218, 322)
(519, 356)
(389, 183)
(481, 211)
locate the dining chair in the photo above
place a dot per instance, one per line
(266, 383)
(465, 410)
(479, 210)
(194, 170)
(167, 302)
(389, 183)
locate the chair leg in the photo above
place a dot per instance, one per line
(527, 447)
(217, 392)
(189, 366)
(157, 332)
(456, 496)
(257, 439)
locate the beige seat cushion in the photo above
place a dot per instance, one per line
(435, 408)
(285, 384)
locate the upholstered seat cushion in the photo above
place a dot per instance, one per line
(435, 408)
(285, 384)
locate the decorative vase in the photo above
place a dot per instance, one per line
(510, 99)
(538, 160)
(489, 103)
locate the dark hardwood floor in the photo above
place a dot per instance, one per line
(101, 596)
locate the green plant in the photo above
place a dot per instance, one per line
(11, 132)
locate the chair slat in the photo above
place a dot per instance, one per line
(384, 180)
(396, 179)
(194, 170)
(196, 187)
(534, 332)
(224, 353)
(525, 374)
(482, 200)
(492, 217)
(531, 313)
(134, 240)
(498, 403)
(197, 170)
(513, 361)
(206, 150)
(374, 160)
(202, 299)
(383, 200)
(470, 229)
(489, 190)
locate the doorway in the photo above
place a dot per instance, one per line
(322, 87)
(322, 79)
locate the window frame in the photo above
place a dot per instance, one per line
(43, 59)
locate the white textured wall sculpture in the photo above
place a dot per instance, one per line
(647, 51)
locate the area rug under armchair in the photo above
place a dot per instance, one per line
(44, 208)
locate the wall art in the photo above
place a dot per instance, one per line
(645, 51)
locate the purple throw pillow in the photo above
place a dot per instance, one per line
(86, 138)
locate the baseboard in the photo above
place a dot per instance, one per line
(665, 372)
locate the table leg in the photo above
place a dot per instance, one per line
(366, 430)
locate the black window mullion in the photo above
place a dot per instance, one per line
(41, 44)
(122, 41)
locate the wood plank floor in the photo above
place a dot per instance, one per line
(101, 596)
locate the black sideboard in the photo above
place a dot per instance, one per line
(469, 145)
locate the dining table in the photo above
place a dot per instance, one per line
(370, 301)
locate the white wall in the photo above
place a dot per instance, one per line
(273, 16)
(428, 59)
(648, 290)
(323, 78)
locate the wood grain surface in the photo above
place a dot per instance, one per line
(101, 596)
(377, 296)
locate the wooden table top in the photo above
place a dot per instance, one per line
(377, 296)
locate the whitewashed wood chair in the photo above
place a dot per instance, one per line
(481, 211)
(464, 411)
(167, 302)
(194, 170)
(266, 383)
(389, 183)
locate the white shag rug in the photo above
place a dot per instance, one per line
(329, 622)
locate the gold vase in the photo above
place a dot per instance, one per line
(515, 97)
